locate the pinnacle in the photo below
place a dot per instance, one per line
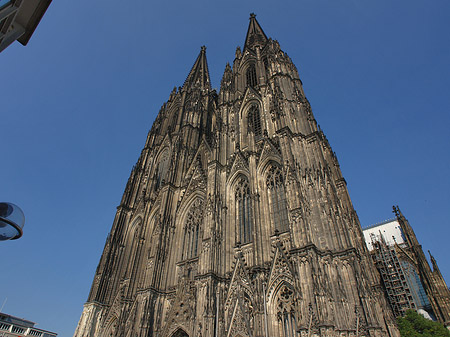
(199, 74)
(226, 78)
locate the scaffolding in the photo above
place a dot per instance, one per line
(393, 276)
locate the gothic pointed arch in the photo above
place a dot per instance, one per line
(110, 328)
(192, 227)
(188, 234)
(268, 155)
(248, 70)
(251, 96)
(243, 206)
(238, 168)
(161, 167)
(199, 160)
(240, 280)
(239, 302)
(131, 243)
(136, 222)
(179, 333)
(281, 271)
(111, 318)
(195, 178)
(254, 120)
(284, 311)
(251, 116)
(241, 321)
(276, 193)
(250, 76)
(153, 218)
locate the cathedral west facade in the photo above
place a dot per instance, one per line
(236, 219)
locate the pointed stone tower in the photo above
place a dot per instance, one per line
(236, 220)
(435, 287)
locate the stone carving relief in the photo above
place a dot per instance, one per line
(281, 271)
(197, 181)
(269, 152)
(287, 310)
(182, 311)
(240, 163)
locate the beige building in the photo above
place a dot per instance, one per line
(11, 326)
(19, 19)
(236, 219)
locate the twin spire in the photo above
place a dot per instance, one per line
(255, 34)
(199, 74)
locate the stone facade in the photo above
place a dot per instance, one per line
(236, 220)
(435, 287)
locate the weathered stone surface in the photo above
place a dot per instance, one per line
(236, 220)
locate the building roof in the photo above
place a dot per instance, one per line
(380, 223)
(22, 326)
(15, 320)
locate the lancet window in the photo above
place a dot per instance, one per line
(192, 228)
(243, 211)
(277, 199)
(161, 171)
(251, 76)
(286, 312)
(132, 245)
(254, 120)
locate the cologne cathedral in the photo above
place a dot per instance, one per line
(236, 219)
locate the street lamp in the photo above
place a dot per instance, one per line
(12, 220)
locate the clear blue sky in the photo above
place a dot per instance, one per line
(78, 101)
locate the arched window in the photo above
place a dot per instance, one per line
(161, 170)
(131, 245)
(192, 226)
(277, 199)
(251, 76)
(254, 120)
(286, 312)
(243, 211)
(180, 333)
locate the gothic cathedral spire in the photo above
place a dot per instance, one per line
(255, 34)
(199, 74)
(236, 219)
(434, 284)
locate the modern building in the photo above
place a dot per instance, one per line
(408, 280)
(236, 219)
(11, 326)
(19, 19)
(401, 282)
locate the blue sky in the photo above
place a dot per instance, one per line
(78, 101)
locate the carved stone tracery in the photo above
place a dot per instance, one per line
(247, 228)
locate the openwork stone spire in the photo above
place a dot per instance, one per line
(255, 34)
(199, 74)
